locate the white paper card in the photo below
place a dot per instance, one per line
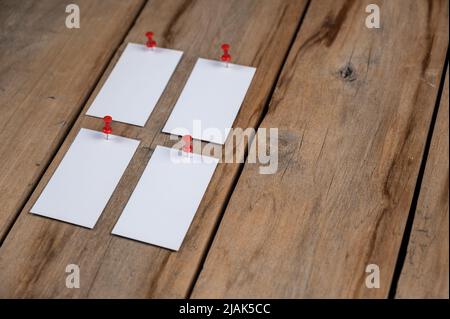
(213, 95)
(166, 198)
(135, 84)
(81, 186)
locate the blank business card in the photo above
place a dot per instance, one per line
(213, 96)
(135, 84)
(166, 198)
(85, 179)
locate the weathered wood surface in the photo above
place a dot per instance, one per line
(353, 107)
(47, 73)
(36, 251)
(425, 272)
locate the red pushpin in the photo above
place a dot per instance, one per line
(226, 57)
(150, 42)
(187, 147)
(107, 128)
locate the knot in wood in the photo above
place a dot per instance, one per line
(347, 73)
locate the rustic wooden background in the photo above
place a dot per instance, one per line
(363, 171)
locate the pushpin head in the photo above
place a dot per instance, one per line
(107, 119)
(226, 57)
(187, 147)
(150, 42)
(107, 128)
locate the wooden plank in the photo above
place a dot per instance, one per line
(353, 106)
(35, 253)
(47, 72)
(425, 272)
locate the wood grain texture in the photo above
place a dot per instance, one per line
(35, 253)
(425, 272)
(353, 107)
(47, 72)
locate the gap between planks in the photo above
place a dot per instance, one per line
(241, 166)
(70, 123)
